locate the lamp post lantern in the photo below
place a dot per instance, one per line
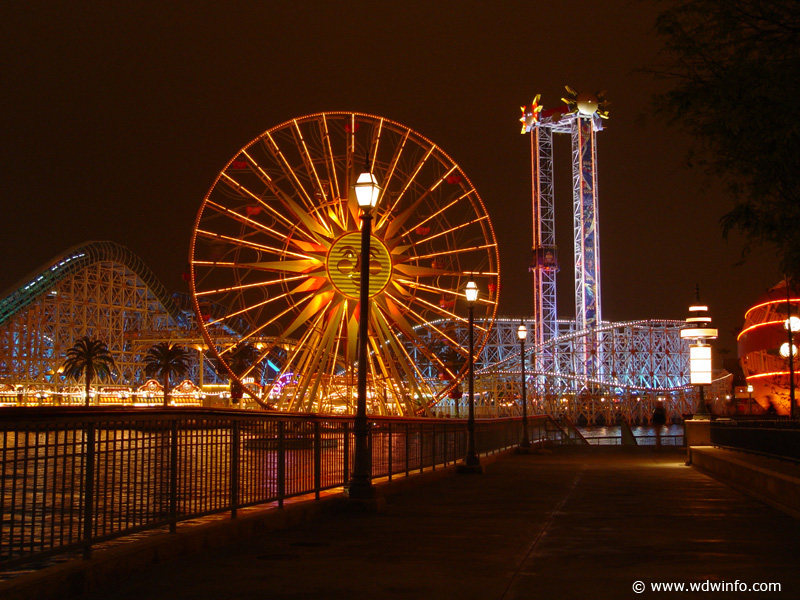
(360, 485)
(472, 463)
(522, 333)
(698, 330)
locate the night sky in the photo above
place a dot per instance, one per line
(118, 116)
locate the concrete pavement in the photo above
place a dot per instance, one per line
(567, 524)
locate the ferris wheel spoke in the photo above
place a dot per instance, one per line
(245, 220)
(243, 287)
(276, 319)
(383, 366)
(452, 343)
(396, 310)
(452, 230)
(302, 350)
(340, 328)
(289, 173)
(401, 351)
(411, 178)
(411, 283)
(350, 155)
(322, 353)
(276, 192)
(431, 217)
(261, 304)
(375, 146)
(415, 271)
(308, 266)
(424, 322)
(393, 164)
(245, 192)
(351, 349)
(240, 243)
(454, 252)
(316, 305)
(296, 358)
(330, 163)
(320, 232)
(309, 162)
(259, 171)
(401, 218)
(407, 366)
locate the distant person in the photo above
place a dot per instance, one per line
(659, 420)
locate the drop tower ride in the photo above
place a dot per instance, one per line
(581, 116)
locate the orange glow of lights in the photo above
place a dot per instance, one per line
(770, 302)
(756, 326)
(771, 374)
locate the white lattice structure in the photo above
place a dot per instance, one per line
(98, 289)
(641, 363)
(585, 367)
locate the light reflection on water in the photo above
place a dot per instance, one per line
(41, 496)
(644, 434)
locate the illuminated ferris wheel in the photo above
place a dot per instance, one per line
(275, 263)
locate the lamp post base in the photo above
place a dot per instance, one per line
(471, 465)
(469, 469)
(360, 490)
(523, 448)
(369, 502)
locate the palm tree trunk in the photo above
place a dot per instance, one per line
(166, 388)
(88, 378)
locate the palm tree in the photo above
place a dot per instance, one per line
(90, 358)
(166, 359)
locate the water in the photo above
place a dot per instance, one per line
(645, 434)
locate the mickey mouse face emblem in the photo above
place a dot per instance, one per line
(344, 265)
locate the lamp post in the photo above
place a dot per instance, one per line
(360, 485)
(750, 398)
(472, 463)
(522, 333)
(698, 329)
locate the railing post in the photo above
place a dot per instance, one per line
(346, 455)
(173, 478)
(391, 464)
(433, 451)
(281, 462)
(88, 491)
(445, 443)
(317, 459)
(408, 447)
(235, 446)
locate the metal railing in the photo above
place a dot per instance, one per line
(778, 438)
(72, 478)
(641, 440)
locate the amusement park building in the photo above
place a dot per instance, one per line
(763, 345)
(103, 290)
(96, 289)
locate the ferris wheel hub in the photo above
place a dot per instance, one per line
(344, 265)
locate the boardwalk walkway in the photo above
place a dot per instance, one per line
(561, 525)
